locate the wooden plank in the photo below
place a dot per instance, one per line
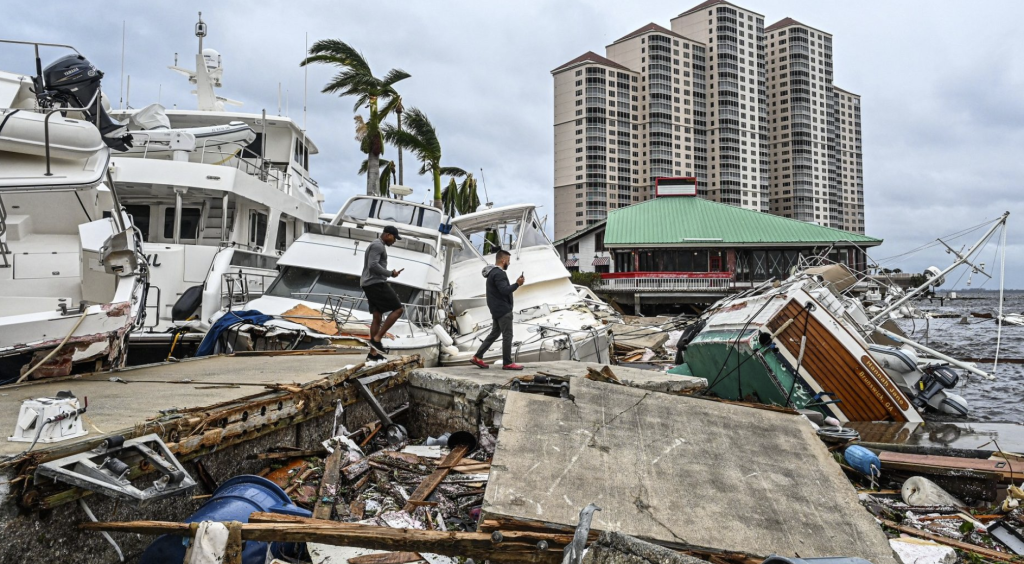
(430, 483)
(287, 454)
(966, 547)
(515, 547)
(936, 464)
(328, 486)
(387, 558)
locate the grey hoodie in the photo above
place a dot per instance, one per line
(499, 291)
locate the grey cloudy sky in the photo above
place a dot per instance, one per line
(943, 111)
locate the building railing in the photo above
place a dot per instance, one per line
(665, 282)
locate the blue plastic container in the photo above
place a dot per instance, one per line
(234, 500)
(862, 459)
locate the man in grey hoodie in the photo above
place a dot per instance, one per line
(499, 301)
(380, 296)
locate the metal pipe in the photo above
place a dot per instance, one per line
(960, 260)
(224, 234)
(118, 217)
(177, 215)
(935, 353)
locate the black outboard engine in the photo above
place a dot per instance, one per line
(72, 81)
(936, 378)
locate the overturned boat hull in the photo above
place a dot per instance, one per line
(789, 349)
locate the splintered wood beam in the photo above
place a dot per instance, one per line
(386, 558)
(514, 546)
(430, 483)
(966, 547)
(328, 483)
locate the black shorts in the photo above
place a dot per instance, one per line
(381, 297)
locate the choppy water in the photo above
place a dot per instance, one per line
(1001, 400)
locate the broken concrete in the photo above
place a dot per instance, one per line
(616, 548)
(677, 470)
(460, 398)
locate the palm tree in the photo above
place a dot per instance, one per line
(420, 138)
(468, 200)
(460, 199)
(387, 175)
(356, 79)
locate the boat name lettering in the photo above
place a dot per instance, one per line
(884, 380)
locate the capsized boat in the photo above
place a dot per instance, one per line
(805, 343)
(72, 274)
(552, 320)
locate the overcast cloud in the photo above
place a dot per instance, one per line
(943, 111)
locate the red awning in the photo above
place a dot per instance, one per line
(572, 262)
(602, 261)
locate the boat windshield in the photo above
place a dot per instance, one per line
(467, 252)
(316, 285)
(395, 211)
(509, 233)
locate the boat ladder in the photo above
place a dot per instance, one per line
(4, 249)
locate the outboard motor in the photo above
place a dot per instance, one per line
(72, 81)
(933, 390)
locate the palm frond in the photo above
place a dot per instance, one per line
(338, 53)
(393, 76)
(453, 171)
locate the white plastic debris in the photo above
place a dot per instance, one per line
(648, 355)
(209, 544)
(424, 451)
(917, 551)
(918, 491)
(341, 441)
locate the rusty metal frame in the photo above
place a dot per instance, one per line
(194, 432)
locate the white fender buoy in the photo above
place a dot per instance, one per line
(446, 339)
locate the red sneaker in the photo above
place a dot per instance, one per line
(479, 363)
(512, 366)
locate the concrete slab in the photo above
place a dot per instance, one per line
(454, 398)
(678, 470)
(114, 405)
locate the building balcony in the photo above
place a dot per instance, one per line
(667, 282)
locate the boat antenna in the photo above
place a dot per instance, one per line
(305, 87)
(128, 94)
(484, 182)
(121, 86)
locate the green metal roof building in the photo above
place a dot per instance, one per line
(683, 221)
(682, 243)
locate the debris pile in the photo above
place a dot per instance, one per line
(934, 506)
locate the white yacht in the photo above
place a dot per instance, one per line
(318, 289)
(217, 197)
(552, 319)
(72, 274)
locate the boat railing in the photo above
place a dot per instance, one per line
(4, 249)
(238, 159)
(240, 286)
(340, 308)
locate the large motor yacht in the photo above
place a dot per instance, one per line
(217, 197)
(72, 274)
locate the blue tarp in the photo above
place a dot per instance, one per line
(227, 321)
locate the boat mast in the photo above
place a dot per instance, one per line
(960, 259)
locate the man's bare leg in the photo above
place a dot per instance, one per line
(384, 327)
(375, 325)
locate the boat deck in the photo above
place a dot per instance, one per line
(150, 390)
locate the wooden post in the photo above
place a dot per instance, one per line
(430, 483)
(514, 546)
(328, 483)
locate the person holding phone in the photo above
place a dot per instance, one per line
(380, 296)
(499, 301)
